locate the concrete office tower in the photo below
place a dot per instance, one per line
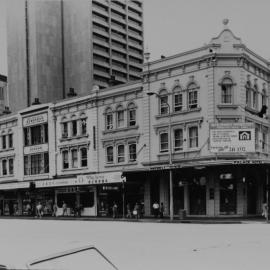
(4, 109)
(57, 45)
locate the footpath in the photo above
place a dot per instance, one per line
(191, 220)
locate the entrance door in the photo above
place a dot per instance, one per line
(251, 198)
(227, 196)
(197, 199)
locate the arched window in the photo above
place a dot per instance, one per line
(64, 127)
(177, 99)
(120, 153)
(226, 91)
(120, 116)
(192, 96)
(163, 102)
(164, 142)
(109, 119)
(131, 111)
(132, 152)
(65, 159)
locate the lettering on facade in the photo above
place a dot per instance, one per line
(165, 167)
(248, 162)
(36, 149)
(34, 120)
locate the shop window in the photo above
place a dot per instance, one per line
(109, 119)
(178, 139)
(64, 130)
(192, 96)
(87, 199)
(193, 137)
(4, 144)
(74, 158)
(120, 153)
(65, 159)
(120, 117)
(10, 140)
(163, 102)
(131, 115)
(83, 157)
(4, 167)
(74, 128)
(164, 142)
(132, 152)
(109, 154)
(68, 198)
(10, 166)
(84, 126)
(226, 91)
(178, 102)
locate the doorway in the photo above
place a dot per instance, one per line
(252, 191)
(228, 196)
(197, 198)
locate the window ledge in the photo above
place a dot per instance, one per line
(190, 150)
(178, 113)
(121, 164)
(227, 106)
(6, 149)
(74, 137)
(110, 131)
(7, 175)
(74, 169)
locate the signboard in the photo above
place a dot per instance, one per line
(232, 138)
(36, 149)
(165, 167)
(14, 185)
(91, 179)
(35, 120)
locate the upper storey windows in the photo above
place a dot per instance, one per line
(36, 135)
(226, 91)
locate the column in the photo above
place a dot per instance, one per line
(164, 194)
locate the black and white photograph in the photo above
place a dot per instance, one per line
(134, 134)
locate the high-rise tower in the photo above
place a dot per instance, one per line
(57, 45)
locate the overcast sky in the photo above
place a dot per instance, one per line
(174, 26)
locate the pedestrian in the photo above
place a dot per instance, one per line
(129, 215)
(156, 209)
(161, 211)
(64, 207)
(137, 211)
(28, 209)
(114, 210)
(39, 210)
(54, 213)
(265, 210)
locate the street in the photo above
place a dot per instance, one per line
(131, 245)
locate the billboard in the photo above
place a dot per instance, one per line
(232, 138)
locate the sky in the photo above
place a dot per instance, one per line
(174, 26)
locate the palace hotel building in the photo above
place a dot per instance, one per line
(122, 143)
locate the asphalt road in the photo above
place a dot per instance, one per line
(141, 245)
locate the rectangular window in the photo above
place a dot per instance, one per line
(132, 118)
(36, 164)
(193, 137)
(264, 141)
(4, 144)
(64, 130)
(226, 94)
(4, 167)
(192, 99)
(164, 109)
(120, 118)
(178, 140)
(65, 159)
(120, 153)
(94, 138)
(178, 102)
(255, 100)
(74, 158)
(132, 152)
(26, 136)
(83, 157)
(10, 166)
(36, 135)
(109, 121)
(74, 127)
(109, 154)
(26, 165)
(46, 162)
(10, 140)
(164, 143)
(2, 93)
(84, 127)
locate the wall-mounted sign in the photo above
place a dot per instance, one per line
(35, 149)
(248, 161)
(35, 120)
(14, 185)
(232, 138)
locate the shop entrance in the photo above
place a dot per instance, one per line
(197, 198)
(228, 196)
(178, 196)
(252, 191)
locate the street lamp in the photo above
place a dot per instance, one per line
(170, 153)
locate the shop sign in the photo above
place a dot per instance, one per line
(14, 185)
(101, 178)
(232, 138)
(165, 167)
(110, 188)
(35, 120)
(255, 161)
(36, 149)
